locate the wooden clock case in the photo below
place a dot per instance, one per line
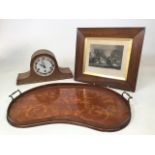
(59, 73)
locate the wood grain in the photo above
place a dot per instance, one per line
(98, 108)
(136, 33)
(59, 73)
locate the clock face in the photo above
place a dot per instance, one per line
(43, 66)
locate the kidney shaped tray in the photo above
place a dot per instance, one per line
(82, 104)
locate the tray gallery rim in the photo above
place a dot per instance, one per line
(65, 121)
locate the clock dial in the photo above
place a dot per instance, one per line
(43, 66)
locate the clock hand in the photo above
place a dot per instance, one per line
(42, 65)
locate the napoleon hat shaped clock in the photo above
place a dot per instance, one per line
(43, 67)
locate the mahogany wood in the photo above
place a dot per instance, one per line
(82, 104)
(31, 77)
(137, 34)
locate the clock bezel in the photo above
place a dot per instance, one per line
(51, 60)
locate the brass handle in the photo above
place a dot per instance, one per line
(11, 95)
(129, 96)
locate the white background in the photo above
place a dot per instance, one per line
(82, 140)
(20, 38)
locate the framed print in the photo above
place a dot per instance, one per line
(109, 56)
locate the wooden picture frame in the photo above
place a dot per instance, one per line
(109, 57)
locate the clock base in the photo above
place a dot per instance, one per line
(28, 77)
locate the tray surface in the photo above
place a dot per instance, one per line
(81, 104)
